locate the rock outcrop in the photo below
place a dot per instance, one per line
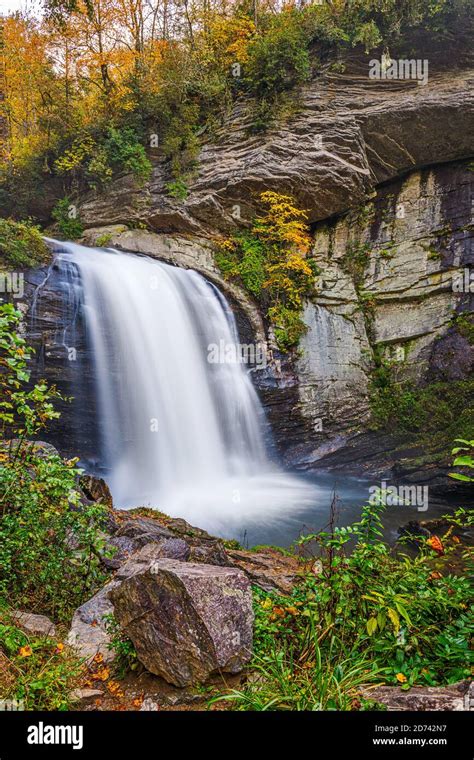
(349, 134)
(88, 635)
(400, 257)
(180, 595)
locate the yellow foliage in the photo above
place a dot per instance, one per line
(230, 39)
(283, 223)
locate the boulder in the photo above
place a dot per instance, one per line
(88, 634)
(186, 620)
(178, 540)
(37, 625)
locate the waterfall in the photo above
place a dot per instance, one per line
(178, 433)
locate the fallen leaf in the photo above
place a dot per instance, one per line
(435, 543)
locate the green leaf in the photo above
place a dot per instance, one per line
(371, 626)
(464, 461)
(393, 615)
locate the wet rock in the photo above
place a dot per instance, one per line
(130, 535)
(37, 625)
(203, 547)
(176, 548)
(186, 620)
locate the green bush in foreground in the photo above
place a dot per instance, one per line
(374, 616)
(50, 541)
(39, 673)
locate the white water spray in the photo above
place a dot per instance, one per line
(179, 433)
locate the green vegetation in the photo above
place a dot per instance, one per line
(464, 324)
(50, 540)
(355, 261)
(372, 615)
(433, 415)
(465, 460)
(97, 161)
(270, 262)
(126, 659)
(177, 189)
(65, 215)
(103, 240)
(39, 672)
(21, 245)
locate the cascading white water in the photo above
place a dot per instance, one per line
(179, 433)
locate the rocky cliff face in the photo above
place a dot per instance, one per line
(349, 134)
(383, 169)
(388, 287)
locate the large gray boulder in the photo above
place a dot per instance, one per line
(186, 620)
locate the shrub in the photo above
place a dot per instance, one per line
(43, 672)
(125, 153)
(271, 263)
(372, 615)
(278, 59)
(433, 415)
(68, 223)
(177, 189)
(126, 659)
(50, 541)
(21, 244)
(95, 160)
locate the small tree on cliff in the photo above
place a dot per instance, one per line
(271, 261)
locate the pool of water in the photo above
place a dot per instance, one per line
(350, 493)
